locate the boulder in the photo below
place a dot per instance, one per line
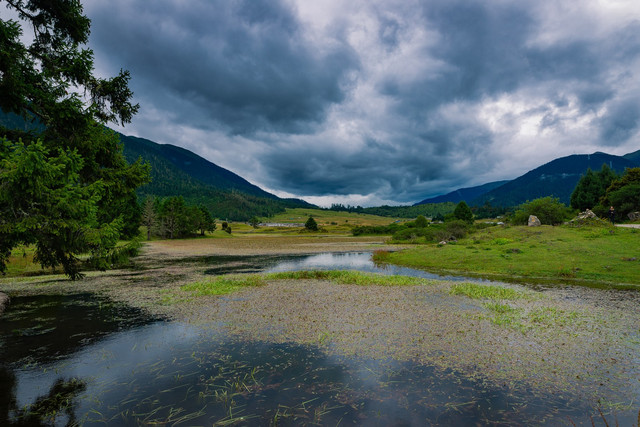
(587, 214)
(534, 221)
(633, 216)
(443, 242)
(4, 301)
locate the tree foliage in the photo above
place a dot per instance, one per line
(592, 187)
(624, 193)
(311, 224)
(421, 222)
(79, 191)
(549, 211)
(463, 212)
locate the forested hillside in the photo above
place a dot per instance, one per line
(557, 178)
(179, 172)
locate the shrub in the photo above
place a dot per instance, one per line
(311, 224)
(549, 211)
(421, 222)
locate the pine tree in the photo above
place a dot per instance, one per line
(463, 212)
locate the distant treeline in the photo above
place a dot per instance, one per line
(172, 218)
(429, 210)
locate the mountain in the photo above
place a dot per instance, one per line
(190, 164)
(176, 171)
(557, 178)
(179, 172)
(466, 194)
(634, 157)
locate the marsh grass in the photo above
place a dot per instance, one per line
(224, 285)
(490, 292)
(349, 278)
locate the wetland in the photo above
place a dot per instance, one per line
(291, 337)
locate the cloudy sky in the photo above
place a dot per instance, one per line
(377, 101)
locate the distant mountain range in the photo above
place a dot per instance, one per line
(465, 194)
(558, 178)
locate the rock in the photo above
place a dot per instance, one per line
(633, 216)
(587, 214)
(534, 221)
(444, 242)
(4, 302)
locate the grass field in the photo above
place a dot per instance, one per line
(331, 221)
(587, 255)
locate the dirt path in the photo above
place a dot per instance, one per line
(260, 245)
(628, 225)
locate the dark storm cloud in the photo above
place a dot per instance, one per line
(246, 65)
(389, 100)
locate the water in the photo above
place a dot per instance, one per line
(83, 359)
(360, 261)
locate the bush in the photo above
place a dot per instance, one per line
(376, 230)
(412, 234)
(549, 211)
(421, 222)
(311, 224)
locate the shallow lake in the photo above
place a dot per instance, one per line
(360, 261)
(84, 359)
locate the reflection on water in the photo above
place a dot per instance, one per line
(360, 261)
(87, 360)
(169, 372)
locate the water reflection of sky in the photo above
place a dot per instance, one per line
(360, 261)
(137, 370)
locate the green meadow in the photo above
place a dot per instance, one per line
(589, 255)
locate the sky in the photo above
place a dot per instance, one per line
(370, 102)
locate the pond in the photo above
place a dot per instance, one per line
(360, 261)
(84, 359)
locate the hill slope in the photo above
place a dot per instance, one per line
(194, 166)
(557, 178)
(634, 157)
(466, 194)
(179, 172)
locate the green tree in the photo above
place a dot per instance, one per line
(254, 221)
(463, 212)
(174, 217)
(421, 222)
(311, 224)
(149, 216)
(624, 193)
(207, 223)
(591, 187)
(68, 152)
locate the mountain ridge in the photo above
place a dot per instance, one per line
(556, 178)
(465, 194)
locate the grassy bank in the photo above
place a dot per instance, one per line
(586, 255)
